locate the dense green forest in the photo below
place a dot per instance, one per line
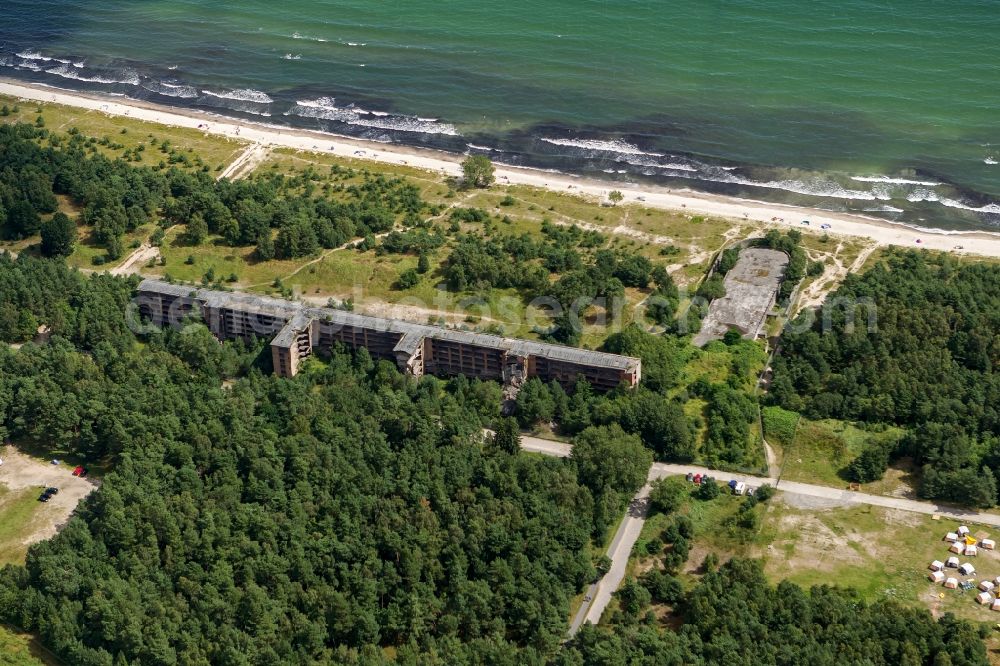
(351, 515)
(354, 515)
(116, 197)
(733, 616)
(926, 362)
(274, 521)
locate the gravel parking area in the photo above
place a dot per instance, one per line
(20, 471)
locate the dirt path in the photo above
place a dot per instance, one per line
(814, 295)
(348, 245)
(20, 471)
(247, 161)
(136, 261)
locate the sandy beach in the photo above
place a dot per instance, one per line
(882, 232)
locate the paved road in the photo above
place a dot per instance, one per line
(841, 495)
(600, 593)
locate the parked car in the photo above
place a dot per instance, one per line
(52, 491)
(805, 222)
(48, 494)
(825, 226)
(78, 471)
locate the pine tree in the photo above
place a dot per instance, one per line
(508, 436)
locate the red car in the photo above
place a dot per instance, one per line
(79, 471)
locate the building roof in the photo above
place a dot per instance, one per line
(287, 336)
(410, 331)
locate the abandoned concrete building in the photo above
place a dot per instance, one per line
(299, 331)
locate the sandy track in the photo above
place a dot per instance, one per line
(136, 261)
(247, 161)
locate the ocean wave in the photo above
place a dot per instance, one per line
(472, 146)
(289, 56)
(613, 146)
(640, 161)
(815, 187)
(993, 209)
(242, 95)
(296, 35)
(28, 54)
(990, 161)
(922, 195)
(883, 209)
(167, 89)
(894, 181)
(325, 108)
(67, 71)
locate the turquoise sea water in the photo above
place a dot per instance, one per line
(891, 107)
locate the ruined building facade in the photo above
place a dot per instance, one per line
(299, 331)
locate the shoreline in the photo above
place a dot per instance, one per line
(882, 232)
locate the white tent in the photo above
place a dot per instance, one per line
(957, 547)
(936, 565)
(953, 563)
(996, 605)
(935, 576)
(987, 544)
(967, 569)
(963, 530)
(986, 586)
(971, 551)
(951, 583)
(984, 598)
(951, 537)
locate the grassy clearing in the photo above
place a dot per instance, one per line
(821, 450)
(713, 532)
(17, 509)
(710, 534)
(17, 649)
(882, 553)
(213, 150)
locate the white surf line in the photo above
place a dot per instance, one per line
(981, 243)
